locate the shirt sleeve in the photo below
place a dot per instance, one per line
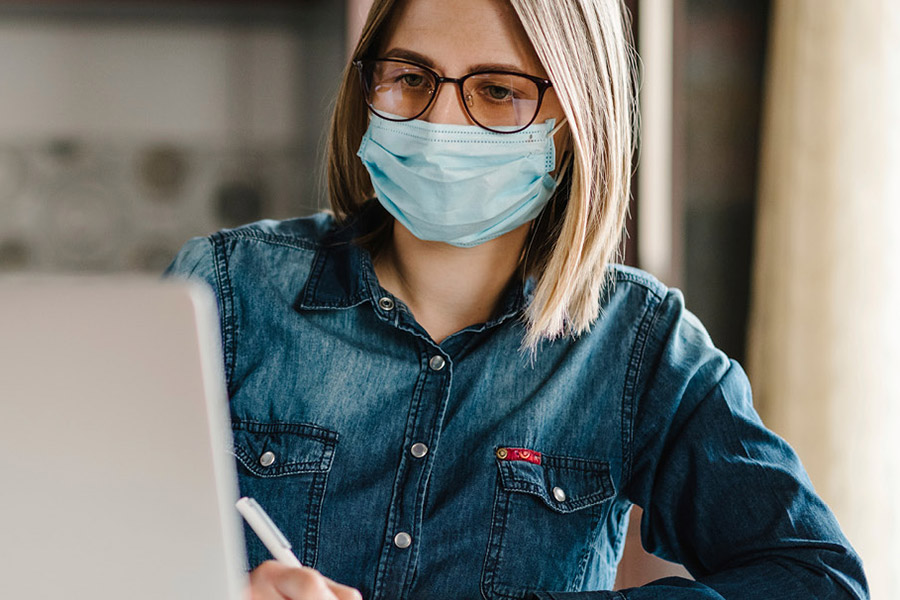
(721, 494)
(197, 262)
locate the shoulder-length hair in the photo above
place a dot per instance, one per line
(586, 48)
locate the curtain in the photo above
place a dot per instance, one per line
(824, 343)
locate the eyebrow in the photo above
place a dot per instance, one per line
(421, 59)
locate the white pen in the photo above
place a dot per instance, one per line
(267, 531)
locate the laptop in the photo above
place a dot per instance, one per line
(116, 479)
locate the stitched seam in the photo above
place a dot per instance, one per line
(316, 491)
(312, 280)
(302, 428)
(226, 293)
(427, 469)
(325, 440)
(412, 425)
(586, 552)
(575, 463)
(307, 297)
(493, 557)
(436, 136)
(396, 493)
(453, 141)
(295, 243)
(628, 392)
(339, 305)
(393, 128)
(319, 465)
(644, 282)
(600, 469)
(567, 507)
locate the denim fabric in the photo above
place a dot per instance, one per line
(332, 382)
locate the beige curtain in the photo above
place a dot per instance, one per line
(824, 355)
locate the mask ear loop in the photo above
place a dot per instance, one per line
(558, 127)
(566, 160)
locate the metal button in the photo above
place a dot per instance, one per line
(402, 540)
(267, 459)
(502, 453)
(436, 362)
(559, 494)
(386, 303)
(418, 450)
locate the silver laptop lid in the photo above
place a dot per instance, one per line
(115, 478)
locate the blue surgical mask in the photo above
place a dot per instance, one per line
(459, 184)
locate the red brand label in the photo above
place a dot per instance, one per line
(519, 454)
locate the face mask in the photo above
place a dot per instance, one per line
(459, 184)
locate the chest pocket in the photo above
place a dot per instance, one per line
(544, 520)
(285, 466)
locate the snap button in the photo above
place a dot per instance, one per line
(502, 453)
(402, 540)
(559, 494)
(267, 459)
(418, 450)
(386, 303)
(436, 362)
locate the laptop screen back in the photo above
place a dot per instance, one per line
(115, 474)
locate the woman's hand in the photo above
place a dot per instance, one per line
(273, 581)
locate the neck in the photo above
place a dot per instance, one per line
(449, 288)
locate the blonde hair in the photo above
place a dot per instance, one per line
(585, 46)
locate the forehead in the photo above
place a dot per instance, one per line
(457, 34)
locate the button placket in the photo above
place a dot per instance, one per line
(404, 518)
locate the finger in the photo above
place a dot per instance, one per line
(343, 592)
(302, 583)
(273, 581)
(261, 587)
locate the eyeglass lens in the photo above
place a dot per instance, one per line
(404, 90)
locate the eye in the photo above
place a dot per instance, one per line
(498, 92)
(412, 79)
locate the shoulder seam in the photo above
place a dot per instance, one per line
(226, 294)
(658, 289)
(295, 243)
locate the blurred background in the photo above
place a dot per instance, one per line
(768, 187)
(128, 127)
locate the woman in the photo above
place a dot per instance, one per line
(447, 391)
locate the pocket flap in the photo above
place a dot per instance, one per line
(276, 449)
(565, 484)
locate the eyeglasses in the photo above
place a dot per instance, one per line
(499, 101)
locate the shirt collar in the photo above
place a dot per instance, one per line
(337, 278)
(343, 276)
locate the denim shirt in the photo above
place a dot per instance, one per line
(469, 469)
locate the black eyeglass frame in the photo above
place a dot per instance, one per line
(542, 84)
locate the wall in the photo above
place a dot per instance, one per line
(125, 131)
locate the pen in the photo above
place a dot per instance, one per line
(267, 531)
